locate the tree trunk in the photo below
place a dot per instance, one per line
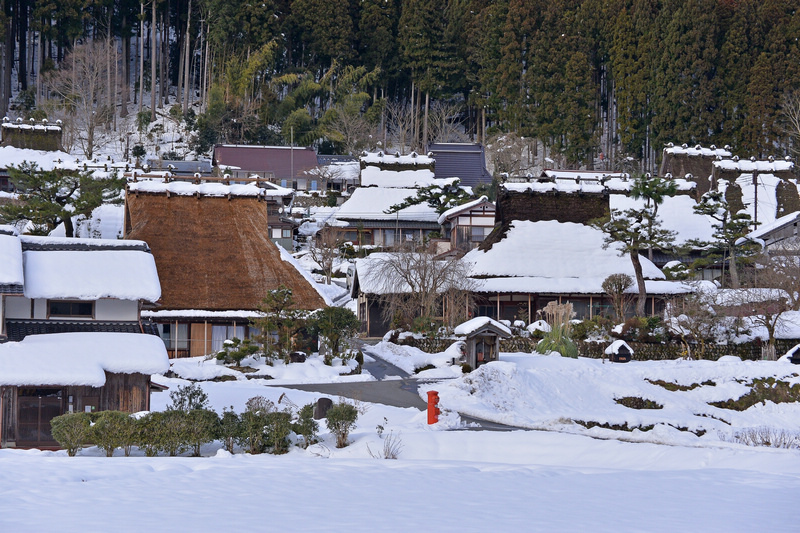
(186, 62)
(425, 125)
(733, 269)
(153, 61)
(637, 269)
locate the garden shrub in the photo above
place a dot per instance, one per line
(558, 338)
(112, 430)
(229, 428)
(164, 431)
(254, 419)
(277, 429)
(341, 418)
(187, 398)
(202, 426)
(305, 425)
(71, 431)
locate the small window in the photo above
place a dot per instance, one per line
(287, 233)
(70, 309)
(283, 183)
(313, 185)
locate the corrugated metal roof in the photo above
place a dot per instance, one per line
(280, 160)
(460, 160)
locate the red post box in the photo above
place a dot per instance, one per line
(433, 407)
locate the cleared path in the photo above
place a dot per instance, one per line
(394, 387)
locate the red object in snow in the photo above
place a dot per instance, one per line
(433, 407)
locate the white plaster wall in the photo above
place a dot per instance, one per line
(109, 309)
(17, 307)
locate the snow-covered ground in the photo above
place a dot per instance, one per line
(449, 479)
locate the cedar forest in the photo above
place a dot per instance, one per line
(583, 77)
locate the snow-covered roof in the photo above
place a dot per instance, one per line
(583, 174)
(199, 313)
(749, 166)
(91, 274)
(765, 229)
(11, 272)
(767, 198)
(676, 213)
(11, 156)
(616, 345)
(550, 249)
(475, 324)
(570, 285)
(287, 257)
(453, 211)
(80, 358)
(585, 185)
(697, 150)
(183, 188)
(424, 177)
(370, 203)
(380, 158)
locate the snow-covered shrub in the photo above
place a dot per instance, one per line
(188, 397)
(767, 436)
(71, 431)
(112, 430)
(229, 428)
(252, 436)
(341, 418)
(235, 350)
(305, 425)
(202, 426)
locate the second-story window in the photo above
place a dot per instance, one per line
(74, 309)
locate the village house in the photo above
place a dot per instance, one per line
(215, 258)
(286, 166)
(44, 376)
(58, 285)
(467, 225)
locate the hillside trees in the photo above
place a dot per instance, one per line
(576, 76)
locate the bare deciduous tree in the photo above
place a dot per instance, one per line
(417, 284)
(324, 250)
(400, 125)
(444, 125)
(790, 119)
(693, 319)
(81, 88)
(615, 286)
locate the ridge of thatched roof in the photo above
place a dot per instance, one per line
(213, 253)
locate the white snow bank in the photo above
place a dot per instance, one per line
(11, 272)
(79, 358)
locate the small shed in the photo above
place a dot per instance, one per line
(619, 352)
(44, 376)
(482, 336)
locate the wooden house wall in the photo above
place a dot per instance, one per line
(122, 392)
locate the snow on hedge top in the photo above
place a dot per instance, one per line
(80, 358)
(11, 272)
(11, 156)
(475, 324)
(183, 188)
(91, 274)
(400, 178)
(370, 203)
(551, 249)
(381, 158)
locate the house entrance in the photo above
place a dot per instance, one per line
(36, 408)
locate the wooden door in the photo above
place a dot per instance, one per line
(36, 407)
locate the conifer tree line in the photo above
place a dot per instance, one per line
(584, 77)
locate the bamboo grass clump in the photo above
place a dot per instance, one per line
(558, 338)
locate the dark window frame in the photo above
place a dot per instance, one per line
(71, 309)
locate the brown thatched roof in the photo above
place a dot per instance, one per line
(213, 253)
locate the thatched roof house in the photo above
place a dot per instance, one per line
(213, 251)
